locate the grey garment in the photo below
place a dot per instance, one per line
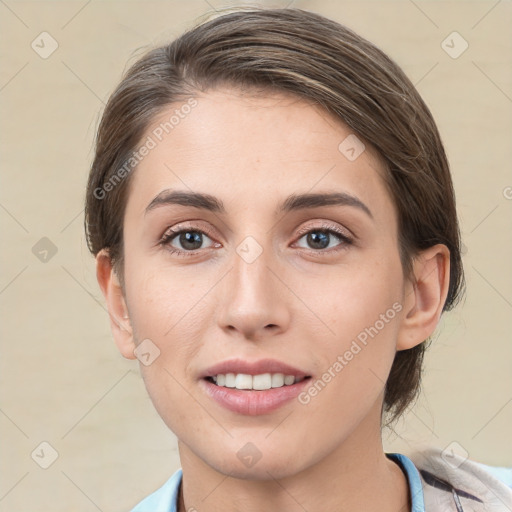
(454, 483)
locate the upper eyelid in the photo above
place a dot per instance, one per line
(301, 231)
(325, 226)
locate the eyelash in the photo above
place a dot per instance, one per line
(171, 233)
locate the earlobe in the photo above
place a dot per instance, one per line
(116, 305)
(424, 299)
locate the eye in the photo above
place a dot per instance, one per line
(321, 238)
(187, 239)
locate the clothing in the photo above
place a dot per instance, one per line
(460, 485)
(452, 483)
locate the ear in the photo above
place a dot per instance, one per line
(116, 305)
(425, 297)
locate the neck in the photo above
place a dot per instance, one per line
(357, 475)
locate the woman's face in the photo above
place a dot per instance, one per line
(261, 277)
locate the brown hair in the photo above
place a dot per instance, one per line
(315, 58)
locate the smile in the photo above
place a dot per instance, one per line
(259, 382)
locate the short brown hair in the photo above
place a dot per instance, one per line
(317, 59)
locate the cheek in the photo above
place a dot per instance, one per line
(169, 307)
(361, 309)
(163, 313)
(353, 298)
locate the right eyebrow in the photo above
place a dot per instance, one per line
(185, 198)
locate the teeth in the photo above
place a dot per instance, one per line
(289, 379)
(263, 381)
(277, 380)
(256, 382)
(243, 381)
(230, 380)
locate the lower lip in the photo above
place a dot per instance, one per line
(253, 403)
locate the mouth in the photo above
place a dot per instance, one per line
(259, 382)
(253, 388)
(258, 375)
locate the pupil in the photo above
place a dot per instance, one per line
(190, 237)
(314, 239)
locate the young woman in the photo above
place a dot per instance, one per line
(274, 224)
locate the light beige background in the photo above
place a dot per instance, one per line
(62, 379)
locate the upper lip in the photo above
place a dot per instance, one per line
(252, 368)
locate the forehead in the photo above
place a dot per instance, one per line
(235, 144)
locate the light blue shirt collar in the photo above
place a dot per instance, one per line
(165, 499)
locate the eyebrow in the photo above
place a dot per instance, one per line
(293, 202)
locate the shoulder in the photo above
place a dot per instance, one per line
(163, 499)
(452, 482)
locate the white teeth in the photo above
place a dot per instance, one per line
(230, 380)
(259, 382)
(289, 379)
(243, 381)
(277, 380)
(263, 381)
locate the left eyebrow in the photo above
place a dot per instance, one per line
(293, 202)
(303, 201)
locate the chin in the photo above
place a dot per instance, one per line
(270, 467)
(260, 471)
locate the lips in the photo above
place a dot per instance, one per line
(248, 391)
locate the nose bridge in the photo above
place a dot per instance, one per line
(251, 274)
(252, 301)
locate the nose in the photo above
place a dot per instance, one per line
(254, 302)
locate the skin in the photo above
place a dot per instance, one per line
(295, 303)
